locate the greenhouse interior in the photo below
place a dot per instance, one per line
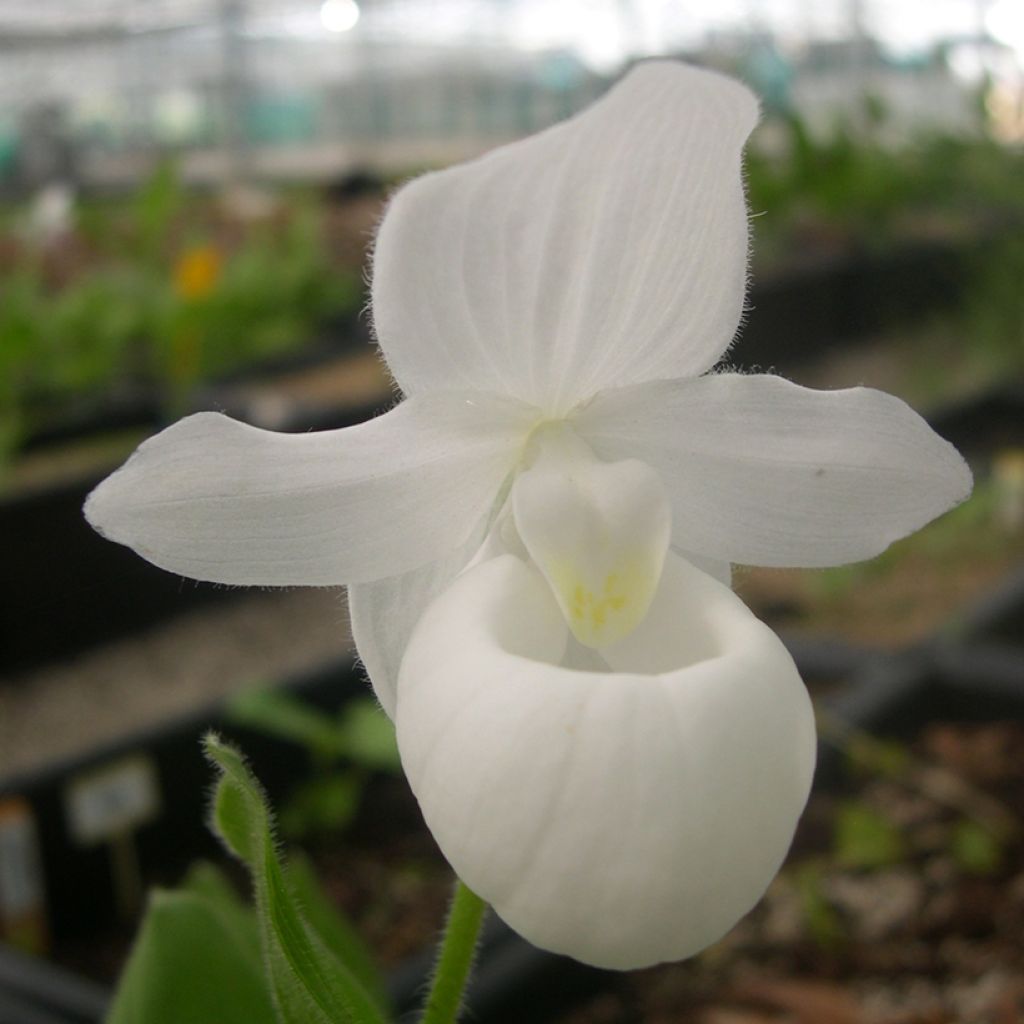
(479, 309)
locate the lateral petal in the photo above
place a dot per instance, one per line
(716, 567)
(608, 249)
(384, 612)
(625, 817)
(215, 499)
(761, 471)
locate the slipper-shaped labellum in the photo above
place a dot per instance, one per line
(608, 746)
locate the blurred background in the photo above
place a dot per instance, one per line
(188, 189)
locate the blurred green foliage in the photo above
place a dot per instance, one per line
(121, 302)
(162, 291)
(872, 755)
(865, 838)
(343, 748)
(975, 848)
(852, 187)
(821, 919)
(993, 317)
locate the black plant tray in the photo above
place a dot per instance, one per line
(33, 991)
(123, 409)
(840, 299)
(71, 589)
(136, 405)
(984, 423)
(971, 670)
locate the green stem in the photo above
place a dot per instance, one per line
(455, 961)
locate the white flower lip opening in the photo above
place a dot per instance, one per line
(623, 817)
(597, 531)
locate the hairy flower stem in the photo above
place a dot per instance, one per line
(455, 962)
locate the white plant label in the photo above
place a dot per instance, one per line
(112, 800)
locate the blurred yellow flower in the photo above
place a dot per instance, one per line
(197, 271)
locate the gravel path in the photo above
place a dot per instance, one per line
(166, 671)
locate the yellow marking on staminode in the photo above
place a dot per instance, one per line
(599, 616)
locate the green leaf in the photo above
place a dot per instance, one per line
(232, 823)
(368, 736)
(207, 881)
(975, 849)
(188, 964)
(865, 839)
(341, 938)
(337, 933)
(310, 985)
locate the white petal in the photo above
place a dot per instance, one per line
(598, 531)
(720, 569)
(622, 818)
(218, 500)
(384, 612)
(761, 471)
(607, 250)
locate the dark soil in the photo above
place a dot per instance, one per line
(916, 588)
(387, 874)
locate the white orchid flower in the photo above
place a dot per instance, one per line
(607, 745)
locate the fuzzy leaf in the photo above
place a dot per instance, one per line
(337, 933)
(309, 984)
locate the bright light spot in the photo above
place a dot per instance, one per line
(967, 64)
(914, 26)
(1005, 107)
(339, 15)
(1005, 21)
(593, 29)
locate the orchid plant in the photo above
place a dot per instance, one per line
(608, 746)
